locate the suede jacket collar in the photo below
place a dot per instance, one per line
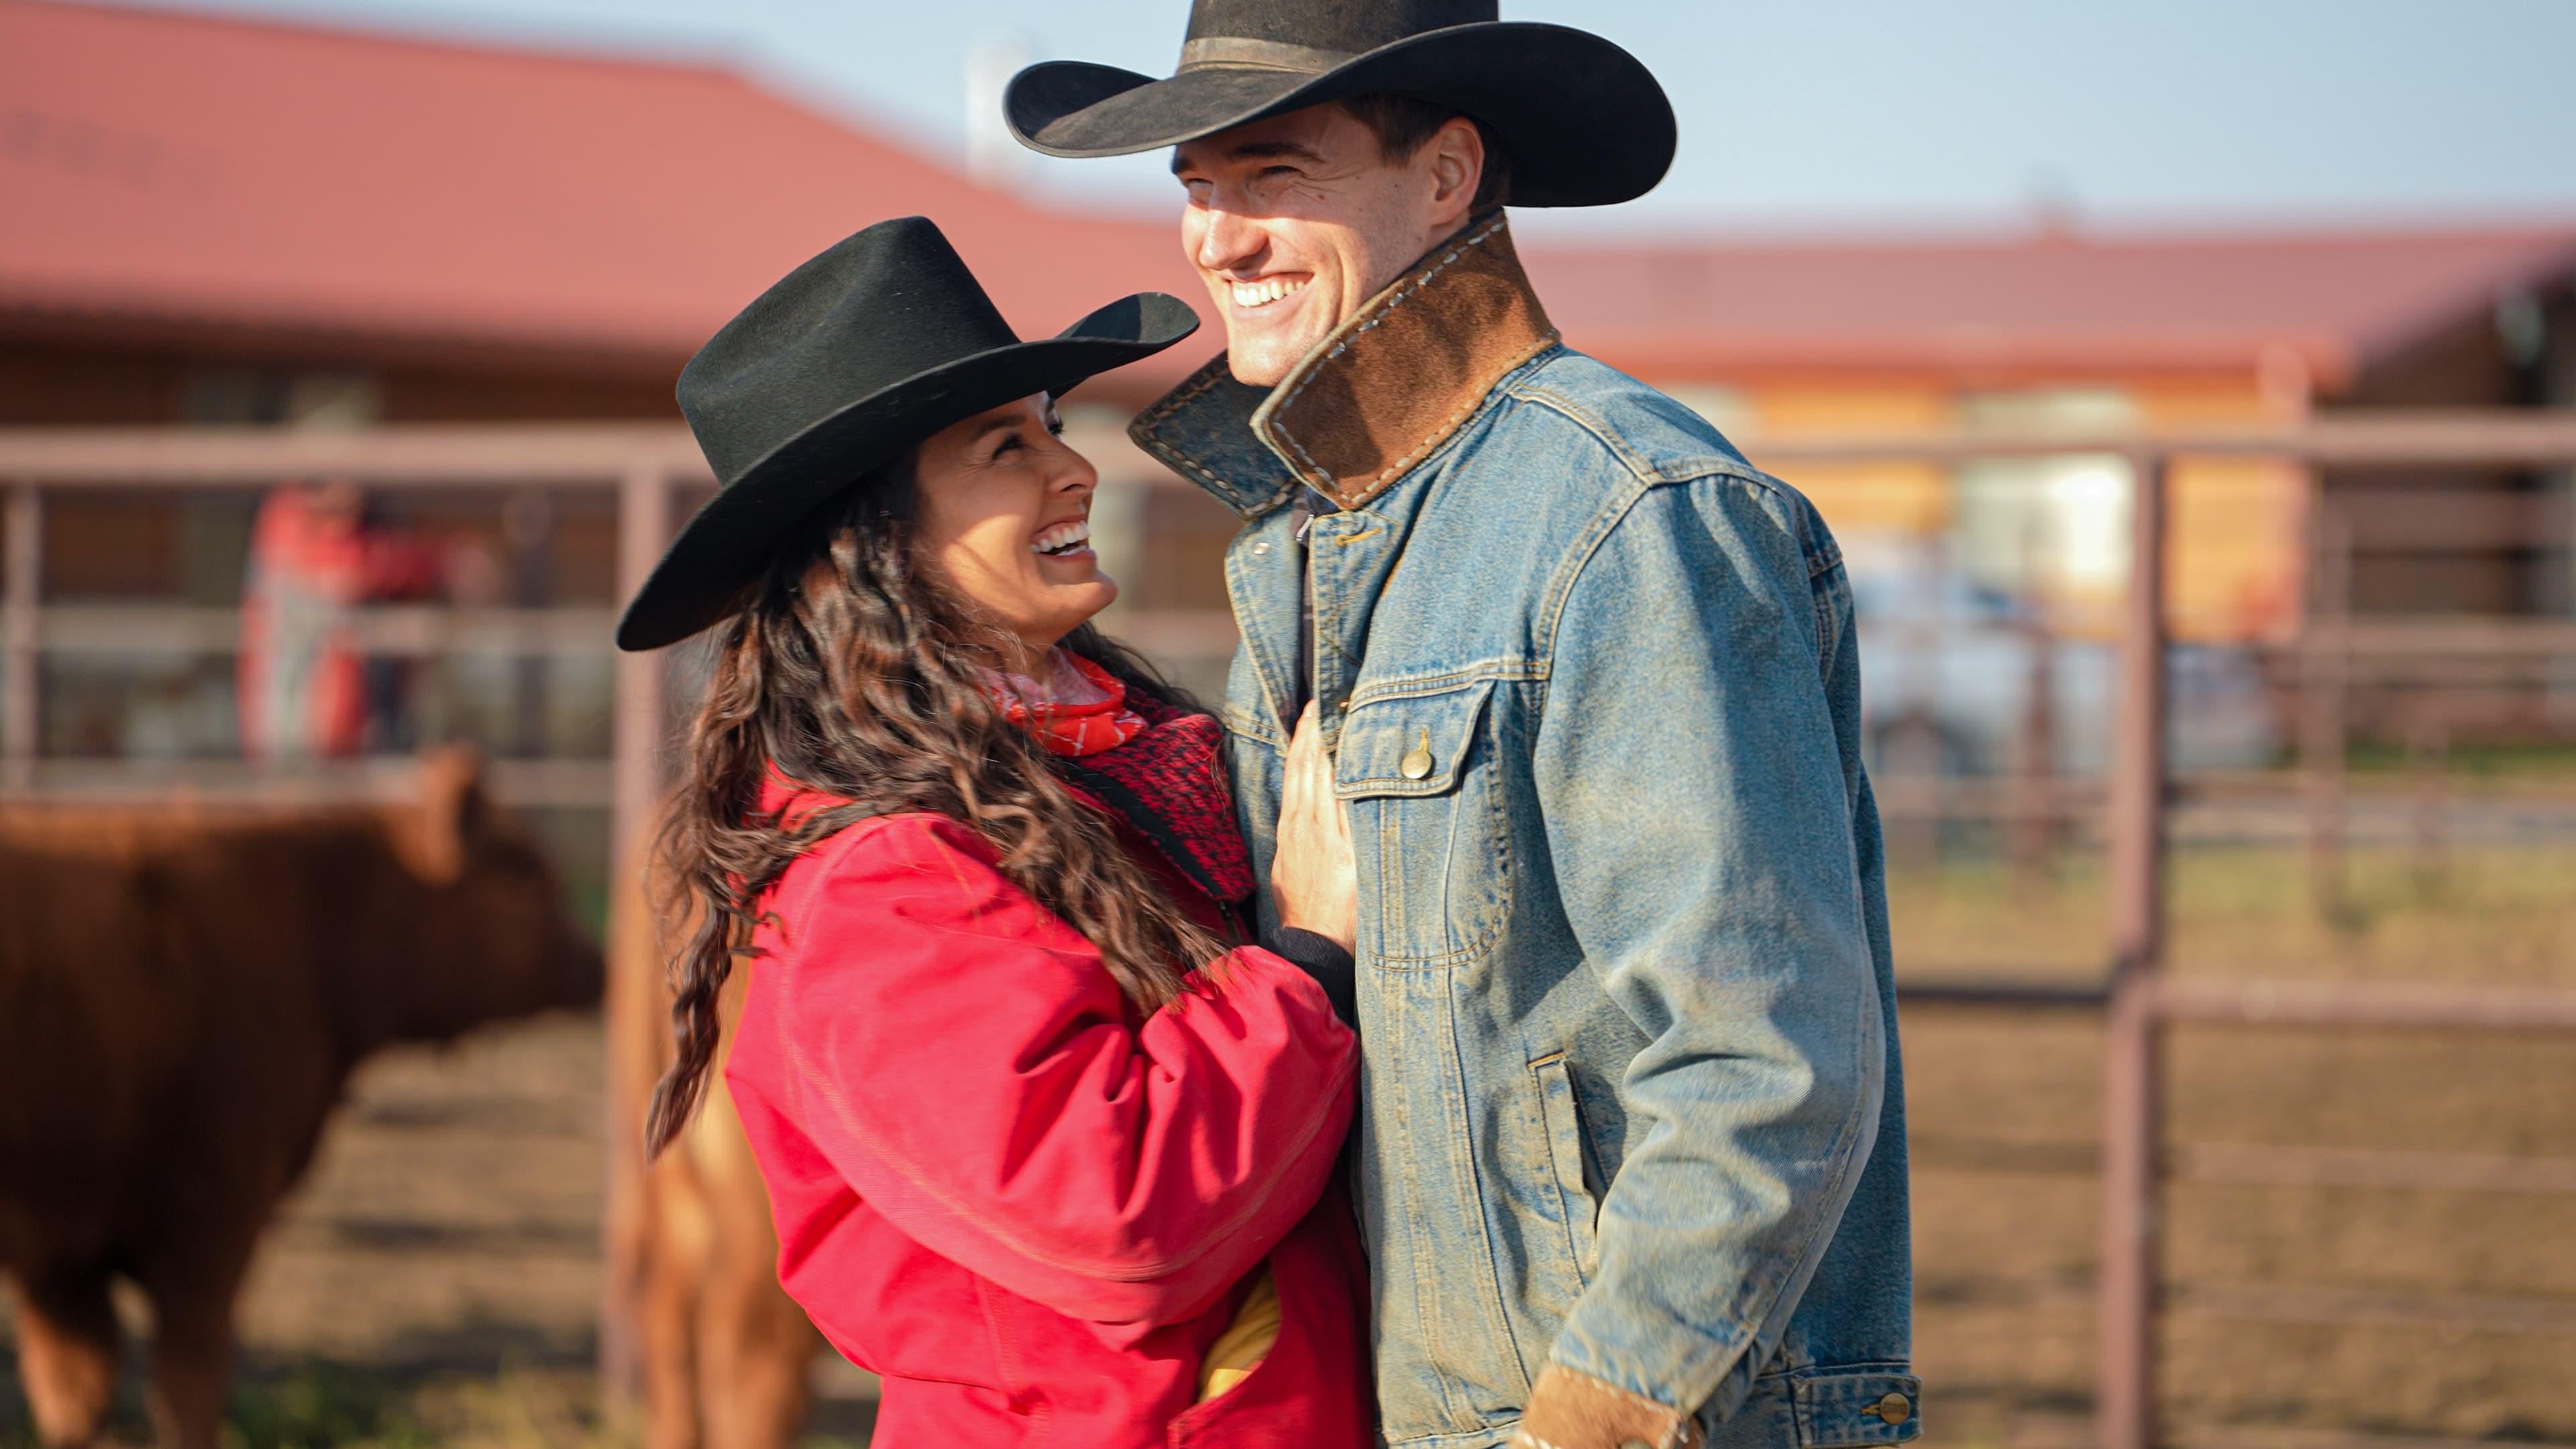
(1374, 398)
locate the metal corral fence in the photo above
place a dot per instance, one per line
(2138, 998)
(646, 467)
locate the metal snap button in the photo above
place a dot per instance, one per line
(1262, 547)
(1416, 763)
(1895, 1408)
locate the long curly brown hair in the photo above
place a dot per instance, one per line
(854, 670)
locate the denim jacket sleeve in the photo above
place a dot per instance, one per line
(1699, 817)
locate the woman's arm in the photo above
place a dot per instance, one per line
(960, 1054)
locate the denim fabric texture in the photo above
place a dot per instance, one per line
(1631, 1100)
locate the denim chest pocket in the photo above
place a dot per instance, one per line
(1418, 773)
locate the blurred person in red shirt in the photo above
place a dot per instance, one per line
(317, 555)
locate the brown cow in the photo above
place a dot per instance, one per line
(726, 1355)
(181, 1002)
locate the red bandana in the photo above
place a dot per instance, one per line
(1079, 728)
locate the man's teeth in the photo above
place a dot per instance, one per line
(1264, 292)
(1062, 538)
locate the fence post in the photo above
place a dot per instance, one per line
(20, 640)
(2125, 1393)
(528, 533)
(2033, 828)
(2325, 667)
(643, 530)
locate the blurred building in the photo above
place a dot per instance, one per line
(206, 220)
(2062, 329)
(240, 221)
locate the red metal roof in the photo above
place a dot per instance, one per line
(181, 168)
(2038, 302)
(190, 168)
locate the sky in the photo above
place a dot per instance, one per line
(1795, 114)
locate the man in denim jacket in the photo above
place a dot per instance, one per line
(1631, 1151)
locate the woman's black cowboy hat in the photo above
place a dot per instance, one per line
(837, 370)
(1584, 122)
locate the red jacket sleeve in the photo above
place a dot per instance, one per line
(963, 1058)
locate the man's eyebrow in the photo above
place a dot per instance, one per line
(1251, 150)
(1254, 151)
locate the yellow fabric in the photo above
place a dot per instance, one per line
(1245, 1343)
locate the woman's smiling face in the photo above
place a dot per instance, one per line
(1005, 513)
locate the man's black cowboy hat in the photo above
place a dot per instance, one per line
(1584, 122)
(837, 370)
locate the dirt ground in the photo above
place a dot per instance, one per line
(437, 1282)
(2357, 1303)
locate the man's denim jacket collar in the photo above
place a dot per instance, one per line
(1370, 401)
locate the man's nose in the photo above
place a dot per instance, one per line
(1231, 239)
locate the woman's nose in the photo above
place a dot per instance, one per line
(1074, 473)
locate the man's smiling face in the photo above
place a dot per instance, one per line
(1294, 222)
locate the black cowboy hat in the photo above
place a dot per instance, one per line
(1584, 122)
(838, 369)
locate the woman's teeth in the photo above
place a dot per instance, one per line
(1062, 539)
(1266, 291)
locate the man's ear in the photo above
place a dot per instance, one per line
(431, 836)
(1455, 155)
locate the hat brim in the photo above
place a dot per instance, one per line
(728, 544)
(1585, 122)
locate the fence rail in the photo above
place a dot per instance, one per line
(520, 784)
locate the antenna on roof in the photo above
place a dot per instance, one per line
(2050, 201)
(992, 157)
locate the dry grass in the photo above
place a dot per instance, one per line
(437, 1281)
(2488, 915)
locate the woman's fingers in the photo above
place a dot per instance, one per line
(1297, 801)
(1301, 747)
(1312, 876)
(1315, 767)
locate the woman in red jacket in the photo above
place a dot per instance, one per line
(1046, 1137)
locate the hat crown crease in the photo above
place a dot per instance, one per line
(1351, 27)
(1241, 52)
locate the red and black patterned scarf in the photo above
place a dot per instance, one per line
(1072, 728)
(1155, 766)
(1168, 783)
